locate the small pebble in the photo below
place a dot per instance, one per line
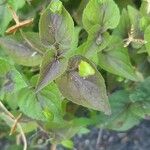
(111, 139)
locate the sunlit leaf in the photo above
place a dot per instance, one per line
(85, 69)
(67, 143)
(147, 39)
(101, 12)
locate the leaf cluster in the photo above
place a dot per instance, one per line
(80, 56)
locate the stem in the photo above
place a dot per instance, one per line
(13, 119)
(53, 147)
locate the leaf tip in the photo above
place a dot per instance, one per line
(56, 6)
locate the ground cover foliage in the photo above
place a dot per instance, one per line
(67, 65)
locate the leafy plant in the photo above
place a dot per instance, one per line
(61, 65)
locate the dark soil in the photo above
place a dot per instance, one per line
(137, 138)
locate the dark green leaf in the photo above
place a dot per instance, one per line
(89, 91)
(56, 26)
(33, 39)
(142, 92)
(122, 117)
(69, 129)
(20, 51)
(124, 121)
(27, 126)
(51, 69)
(141, 109)
(12, 79)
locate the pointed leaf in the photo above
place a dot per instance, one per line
(56, 26)
(122, 117)
(89, 91)
(124, 25)
(44, 106)
(114, 58)
(135, 16)
(101, 12)
(33, 39)
(20, 51)
(12, 80)
(51, 69)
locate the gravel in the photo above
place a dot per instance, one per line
(137, 138)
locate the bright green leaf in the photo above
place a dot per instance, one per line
(147, 39)
(114, 58)
(85, 69)
(4, 66)
(135, 16)
(101, 12)
(44, 106)
(124, 25)
(56, 7)
(67, 143)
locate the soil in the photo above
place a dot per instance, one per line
(138, 138)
